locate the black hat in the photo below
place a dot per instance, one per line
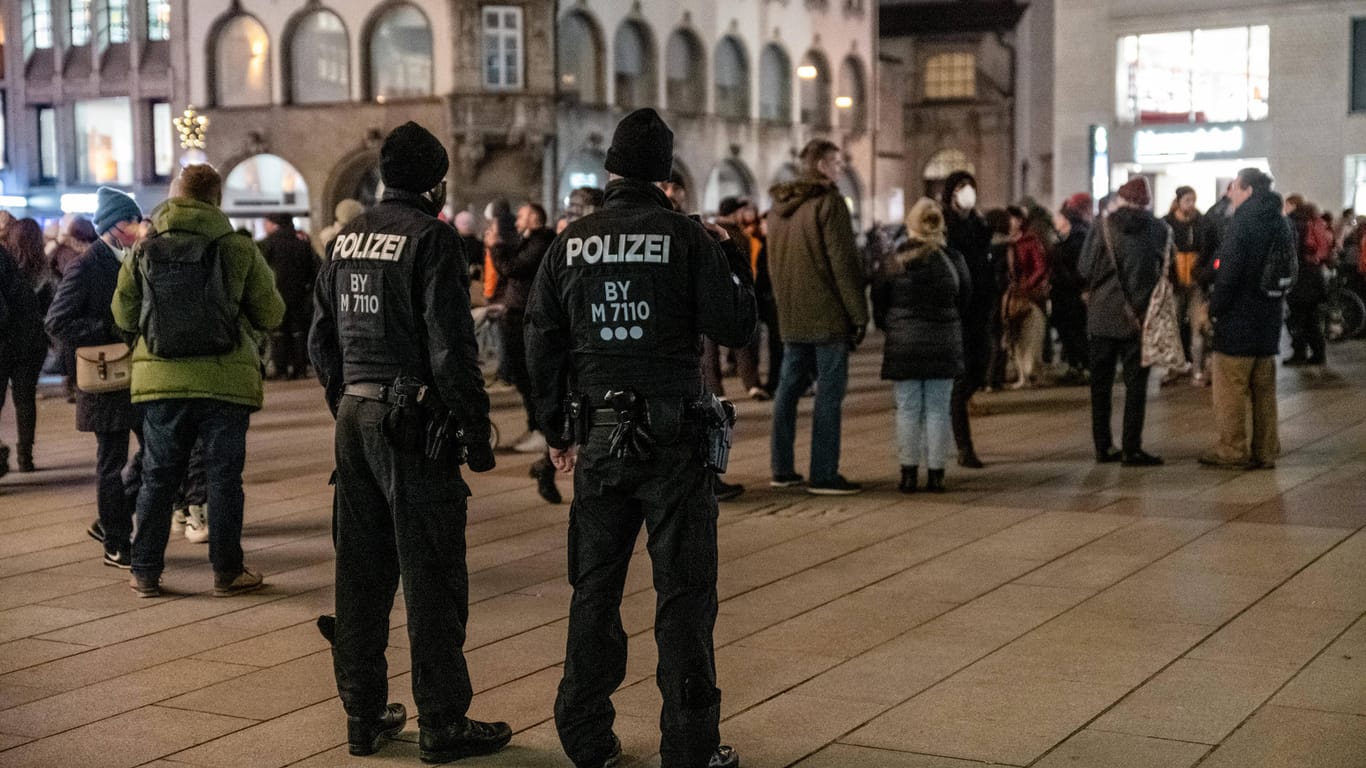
(412, 159)
(642, 147)
(730, 205)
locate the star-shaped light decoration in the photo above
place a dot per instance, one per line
(192, 127)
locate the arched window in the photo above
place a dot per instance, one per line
(945, 162)
(730, 178)
(400, 48)
(775, 85)
(732, 79)
(264, 184)
(814, 75)
(580, 54)
(633, 66)
(683, 71)
(584, 169)
(851, 101)
(319, 59)
(241, 60)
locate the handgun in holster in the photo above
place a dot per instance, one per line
(717, 419)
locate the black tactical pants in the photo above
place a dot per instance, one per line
(672, 494)
(399, 516)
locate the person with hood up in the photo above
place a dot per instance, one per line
(818, 284)
(919, 298)
(969, 235)
(1120, 265)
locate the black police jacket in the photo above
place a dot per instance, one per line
(393, 301)
(623, 298)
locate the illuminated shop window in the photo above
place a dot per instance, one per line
(104, 141)
(1194, 76)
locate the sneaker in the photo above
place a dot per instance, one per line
(789, 480)
(95, 531)
(246, 581)
(364, 736)
(145, 586)
(758, 393)
(834, 487)
(179, 518)
(724, 757)
(463, 739)
(1140, 459)
(119, 558)
(533, 442)
(727, 491)
(197, 523)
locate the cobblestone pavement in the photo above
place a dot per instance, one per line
(1045, 612)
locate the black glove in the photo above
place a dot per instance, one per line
(856, 337)
(479, 456)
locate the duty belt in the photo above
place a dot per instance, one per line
(367, 390)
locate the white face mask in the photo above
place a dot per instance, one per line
(965, 197)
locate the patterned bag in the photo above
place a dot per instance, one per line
(1161, 333)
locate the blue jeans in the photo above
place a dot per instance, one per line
(828, 365)
(922, 421)
(169, 431)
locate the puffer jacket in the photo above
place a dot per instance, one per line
(1140, 241)
(234, 377)
(818, 280)
(919, 298)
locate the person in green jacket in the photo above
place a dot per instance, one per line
(818, 283)
(211, 397)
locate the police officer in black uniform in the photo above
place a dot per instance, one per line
(613, 333)
(393, 344)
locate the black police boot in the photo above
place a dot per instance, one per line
(724, 757)
(908, 478)
(544, 472)
(464, 738)
(934, 481)
(613, 758)
(364, 735)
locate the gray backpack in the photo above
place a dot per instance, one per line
(186, 308)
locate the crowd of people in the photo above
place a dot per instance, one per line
(616, 325)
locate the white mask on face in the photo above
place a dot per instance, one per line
(965, 197)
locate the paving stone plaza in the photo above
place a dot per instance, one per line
(1045, 612)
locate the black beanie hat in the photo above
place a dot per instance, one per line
(642, 147)
(412, 159)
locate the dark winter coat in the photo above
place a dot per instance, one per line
(517, 267)
(18, 308)
(1066, 280)
(1140, 241)
(969, 236)
(295, 267)
(919, 297)
(1247, 323)
(818, 279)
(80, 317)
